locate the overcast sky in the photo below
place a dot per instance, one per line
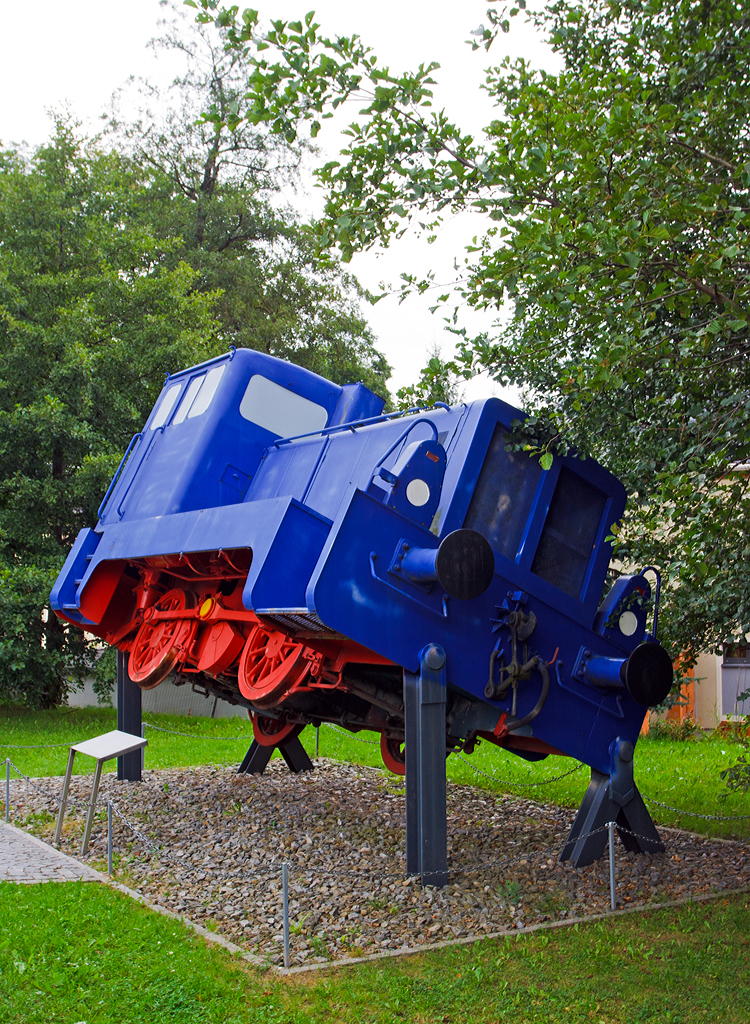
(80, 52)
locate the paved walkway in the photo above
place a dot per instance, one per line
(24, 858)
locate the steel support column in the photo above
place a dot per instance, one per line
(128, 719)
(426, 822)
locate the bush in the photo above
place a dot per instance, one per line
(666, 729)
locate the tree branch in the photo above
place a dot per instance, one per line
(707, 156)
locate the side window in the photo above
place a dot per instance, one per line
(503, 496)
(198, 396)
(279, 410)
(188, 399)
(569, 534)
(166, 405)
(207, 391)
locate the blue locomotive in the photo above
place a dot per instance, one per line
(279, 541)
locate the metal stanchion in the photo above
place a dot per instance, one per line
(611, 828)
(7, 789)
(109, 838)
(143, 749)
(317, 741)
(285, 891)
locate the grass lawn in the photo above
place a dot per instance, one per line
(683, 774)
(76, 952)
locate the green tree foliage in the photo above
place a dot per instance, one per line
(145, 251)
(218, 188)
(438, 382)
(616, 196)
(92, 307)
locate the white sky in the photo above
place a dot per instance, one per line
(84, 50)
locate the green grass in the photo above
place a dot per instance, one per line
(682, 774)
(77, 952)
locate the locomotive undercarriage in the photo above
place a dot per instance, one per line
(182, 617)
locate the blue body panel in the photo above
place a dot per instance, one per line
(325, 513)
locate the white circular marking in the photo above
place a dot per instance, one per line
(417, 492)
(628, 623)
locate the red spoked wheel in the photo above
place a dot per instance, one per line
(393, 753)
(270, 665)
(161, 643)
(272, 732)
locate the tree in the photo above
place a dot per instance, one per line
(438, 382)
(217, 187)
(616, 195)
(92, 309)
(149, 249)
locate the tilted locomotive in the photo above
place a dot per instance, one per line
(280, 542)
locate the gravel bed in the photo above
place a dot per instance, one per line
(222, 838)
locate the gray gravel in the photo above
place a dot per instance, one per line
(223, 837)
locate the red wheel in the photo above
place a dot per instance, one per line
(160, 643)
(270, 732)
(393, 754)
(270, 665)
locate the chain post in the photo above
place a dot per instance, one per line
(612, 897)
(285, 896)
(109, 838)
(7, 789)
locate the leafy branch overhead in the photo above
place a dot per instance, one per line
(616, 199)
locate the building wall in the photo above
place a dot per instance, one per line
(712, 698)
(165, 699)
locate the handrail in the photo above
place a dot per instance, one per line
(115, 478)
(201, 366)
(325, 431)
(404, 434)
(655, 571)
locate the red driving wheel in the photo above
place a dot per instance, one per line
(393, 754)
(271, 732)
(160, 643)
(271, 663)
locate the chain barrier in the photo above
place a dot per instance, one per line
(351, 736)
(31, 746)
(45, 793)
(40, 789)
(306, 874)
(694, 814)
(197, 736)
(520, 785)
(160, 851)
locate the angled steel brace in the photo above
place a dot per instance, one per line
(257, 757)
(612, 797)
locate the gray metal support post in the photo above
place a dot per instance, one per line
(426, 822)
(285, 897)
(109, 838)
(92, 808)
(128, 719)
(64, 796)
(612, 825)
(7, 789)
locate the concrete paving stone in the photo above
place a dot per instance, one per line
(24, 858)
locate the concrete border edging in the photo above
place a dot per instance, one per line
(542, 926)
(262, 964)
